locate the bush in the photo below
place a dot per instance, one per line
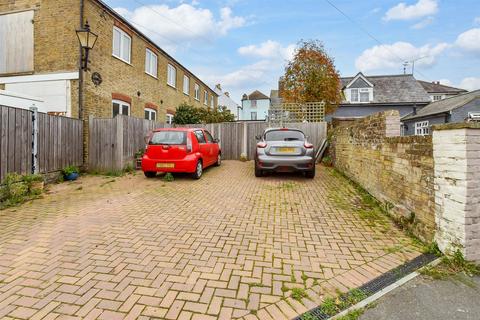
(17, 189)
(188, 114)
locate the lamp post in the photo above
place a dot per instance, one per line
(87, 41)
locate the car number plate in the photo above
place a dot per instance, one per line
(286, 150)
(165, 165)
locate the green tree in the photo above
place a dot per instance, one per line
(187, 114)
(312, 77)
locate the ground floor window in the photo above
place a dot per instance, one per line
(422, 128)
(120, 107)
(169, 118)
(150, 114)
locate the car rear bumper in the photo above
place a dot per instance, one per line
(187, 164)
(275, 163)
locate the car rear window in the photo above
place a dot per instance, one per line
(284, 135)
(169, 137)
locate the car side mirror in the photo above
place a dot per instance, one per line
(216, 140)
(258, 137)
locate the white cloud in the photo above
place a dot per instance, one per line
(171, 27)
(268, 49)
(470, 83)
(422, 24)
(469, 40)
(383, 57)
(402, 11)
(476, 21)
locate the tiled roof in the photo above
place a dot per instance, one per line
(436, 87)
(394, 89)
(257, 95)
(445, 105)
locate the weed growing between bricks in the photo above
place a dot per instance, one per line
(451, 266)
(18, 189)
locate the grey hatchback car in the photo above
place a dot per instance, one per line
(284, 150)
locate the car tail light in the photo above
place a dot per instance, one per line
(308, 145)
(284, 129)
(261, 144)
(189, 144)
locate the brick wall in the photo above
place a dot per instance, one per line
(396, 170)
(457, 180)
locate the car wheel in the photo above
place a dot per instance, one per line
(258, 171)
(310, 174)
(219, 160)
(198, 170)
(150, 174)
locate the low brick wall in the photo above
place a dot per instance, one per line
(398, 171)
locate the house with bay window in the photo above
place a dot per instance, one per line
(128, 73)
(366, 95)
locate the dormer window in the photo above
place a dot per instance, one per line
(360, 95)
(359, 90)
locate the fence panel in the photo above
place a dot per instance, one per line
(60, 142)
(15, 141)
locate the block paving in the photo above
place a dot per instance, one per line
(226, 246)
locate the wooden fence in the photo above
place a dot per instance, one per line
(56, 144)
(113, 142)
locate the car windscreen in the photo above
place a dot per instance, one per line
(284, 135)
(169, 137)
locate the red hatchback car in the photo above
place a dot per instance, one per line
(180, 150)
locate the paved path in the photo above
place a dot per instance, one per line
(227, 246)
(427, 299)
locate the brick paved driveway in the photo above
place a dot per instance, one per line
(226, 246)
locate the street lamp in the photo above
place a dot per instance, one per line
(87, 41)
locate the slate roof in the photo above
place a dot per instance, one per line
(445, 105)
(436, 87)
(257, 95)
(401, 88)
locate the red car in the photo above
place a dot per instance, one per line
(180, 150)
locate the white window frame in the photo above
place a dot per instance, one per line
(121, 104)
(357, 93)
(422, 128)
(197, 92)
(205, 97)
(435, 96)
(169, 118)
(123, 36)
(253, 104)
(212, 104)
(363, 91)
(171, 76)
(252, 117)
(186, 85)
(151, 63)
(150, 113)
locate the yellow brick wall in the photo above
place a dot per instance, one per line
(56, 50)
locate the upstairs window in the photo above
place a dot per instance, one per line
(16, 42)
(360, 95)
(212, 102)
(197, 92)
(151, 63)
(122, 45)
(253, 103)
(186, 85)
(364, 95)
(354, 95)
(171, 76)
(422, 128)
(205, 98)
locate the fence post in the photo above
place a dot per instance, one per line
(34, 139)
(118, 153)
(245, 140)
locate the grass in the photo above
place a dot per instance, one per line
(298, 294)
(332, 306)
(17, 189)
(451, 266)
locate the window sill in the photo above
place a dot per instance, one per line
(187, 94)
(151, 75)
(124, 61)
(169, 85)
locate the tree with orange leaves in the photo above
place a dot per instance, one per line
(311, 77)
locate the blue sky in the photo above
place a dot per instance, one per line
(244, 44)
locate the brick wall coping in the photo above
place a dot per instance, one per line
(462, 125)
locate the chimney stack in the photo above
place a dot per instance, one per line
(227, 94)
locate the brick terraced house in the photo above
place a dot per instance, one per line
(39, 56)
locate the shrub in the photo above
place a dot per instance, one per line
(70, 169)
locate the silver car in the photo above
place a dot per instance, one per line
(284, 150)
